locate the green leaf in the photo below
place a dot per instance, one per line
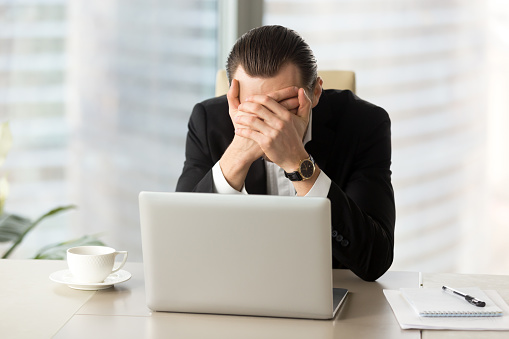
(55, 211)
(12, 227)
(59, 251)
(32, 226)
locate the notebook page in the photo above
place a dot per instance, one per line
(434, 302)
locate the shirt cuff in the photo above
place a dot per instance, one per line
(220, 184)
(321, 186)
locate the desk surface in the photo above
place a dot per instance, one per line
(34, 307)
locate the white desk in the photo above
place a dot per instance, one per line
(32, 306)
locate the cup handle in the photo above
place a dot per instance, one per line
(123, 260)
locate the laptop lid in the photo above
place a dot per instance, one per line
(237, 254)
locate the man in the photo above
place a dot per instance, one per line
(277, 132)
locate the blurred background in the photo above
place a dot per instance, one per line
(98, 95)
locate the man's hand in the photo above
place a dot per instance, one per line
(242, 152)
(246, 148)
(300, 106)
(278, 132)
(233, 99)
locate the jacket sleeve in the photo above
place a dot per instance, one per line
(363, 211)
(197, 172)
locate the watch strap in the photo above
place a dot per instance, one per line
(293, 176)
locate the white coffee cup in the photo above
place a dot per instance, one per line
(93, 264)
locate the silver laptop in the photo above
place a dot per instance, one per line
(238, 254)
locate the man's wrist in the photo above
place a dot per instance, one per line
(220, 183)
(234, 165)
(244, 151)
(294, 164)
(303, 187)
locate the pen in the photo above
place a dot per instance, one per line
(469, 298)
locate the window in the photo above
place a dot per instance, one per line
(98, 94)
(426, 63)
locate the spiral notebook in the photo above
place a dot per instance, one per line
(434, 302)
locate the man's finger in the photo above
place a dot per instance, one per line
(250, 134)
(304, 104)
(269, 111)
(284, 93)
(290, 104)
(251, 122)
(233, 95)
(264, 105)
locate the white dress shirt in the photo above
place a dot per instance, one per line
(277, 183)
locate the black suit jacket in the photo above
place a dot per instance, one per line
(351, 143)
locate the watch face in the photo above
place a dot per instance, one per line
(307, 168)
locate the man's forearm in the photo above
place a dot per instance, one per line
(235, 164)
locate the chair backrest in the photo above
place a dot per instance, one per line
(331, 80)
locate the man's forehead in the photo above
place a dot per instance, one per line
(288, 76)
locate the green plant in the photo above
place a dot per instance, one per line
(59, 250)
(14, 228)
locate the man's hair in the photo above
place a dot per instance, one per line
(263, 51)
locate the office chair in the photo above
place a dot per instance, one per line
(331, 80)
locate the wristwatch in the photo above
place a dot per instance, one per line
(304, 172)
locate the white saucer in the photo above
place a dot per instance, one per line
(65, 277)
